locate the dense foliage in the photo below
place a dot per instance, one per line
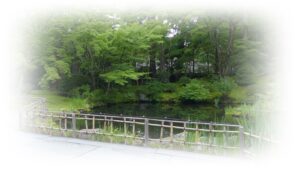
(115, 57)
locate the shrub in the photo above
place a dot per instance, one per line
(80, 92)
(224, 85)
(169, 87)
(184, 80)
(72, 82)
(124, 95)
(99, 97)
(154, 89)
(169, 97)
(163, 76)
(194, 91)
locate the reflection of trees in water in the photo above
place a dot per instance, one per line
(170, 111)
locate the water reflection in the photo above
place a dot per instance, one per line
(205, 113)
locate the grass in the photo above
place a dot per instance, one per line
(60, 103)
(241, 110)
(258, 118)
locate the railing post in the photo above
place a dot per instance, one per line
(171, 131)
(125, 127)
(86, 122)
(184, 132)
(73, 124)
(133, 127)
(146, 131)
(94, 122)
(105, 124)
(111, 125)
(161, 131)
(43, 105)
(210, 137)
(60, 120)
(66, 121)
(52, 121)
(224, 136)
(197, 133)
(73, 121)
(242, 140)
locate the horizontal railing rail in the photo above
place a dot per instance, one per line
(203, 134)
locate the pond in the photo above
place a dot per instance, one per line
(193, 112)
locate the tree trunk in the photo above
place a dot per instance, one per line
(152, 61)
(162, 64)
(193, 62)
(152, 66)
(92, 69)
(193, 70)
(207, 61)
(245, 27)
(217, 52)
(231, 31)
(93, 78)
(162, 59)
(108, 87)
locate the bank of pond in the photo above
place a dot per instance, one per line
(235, 113)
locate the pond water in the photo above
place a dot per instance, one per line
(203, 112)
(193, 112)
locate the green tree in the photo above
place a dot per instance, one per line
(120, 77)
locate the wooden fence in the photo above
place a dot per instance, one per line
(148, 130)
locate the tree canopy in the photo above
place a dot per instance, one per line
(112, 50)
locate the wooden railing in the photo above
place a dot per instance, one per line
(148, 130)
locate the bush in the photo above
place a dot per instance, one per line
(224, 85)
(169, 87)
(154, 89)
(72, 82)
(194, 91)
(99, 97)
(184, 80)
(125, 95)
(163, 76)
(81, 92)
(169, 97)
(96, 97)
